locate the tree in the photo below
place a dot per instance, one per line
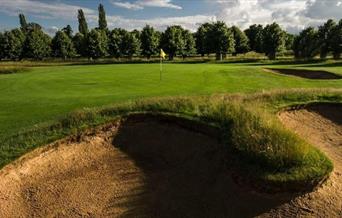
(136, 33)
(325, 33)
(82, 23)
(149, 41)
(22, 20)
(115, 42)
(102, 18)
(80, 44)
(2, 46)
(189, 47)
(172, 41)
(68, 31)
(289, 39)
(307, 44)
(241, 41)
(336, 40)
(37, 44)
(13, 44)
(274, 40)
(222, 39)
(255, 37)
(130, 44)
(202, 39)
(97, 44)
(62, 46)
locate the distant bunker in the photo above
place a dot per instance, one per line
(308, 74)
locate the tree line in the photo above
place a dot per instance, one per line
(30, 41)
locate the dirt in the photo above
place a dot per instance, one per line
(150, 168)
(308, 74)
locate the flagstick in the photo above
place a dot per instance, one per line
(161, 68)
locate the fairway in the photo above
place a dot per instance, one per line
(46, 93)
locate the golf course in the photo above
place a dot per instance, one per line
(245, 115)
(170, 108)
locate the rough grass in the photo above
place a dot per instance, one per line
(265, 151)
(12, 69)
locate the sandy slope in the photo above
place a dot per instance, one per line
(321, 125)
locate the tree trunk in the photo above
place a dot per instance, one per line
(218, 56)
(170, 57)
(323, 55)
(337, 55)
(272, 56)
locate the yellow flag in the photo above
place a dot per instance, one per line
(162, 54)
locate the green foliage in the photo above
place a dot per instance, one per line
(173, 42)
(130, 44)
(80, 44)
(325, 34)
(203, 41)
(22, 20)
(189, 47)
(336, 40)
(289, 39)
(115, 42)
(102, 18)
(149, 41)
(37, 44)
(274, 40)
(12, 44)
(68, 31)
(97, 43)
(210, 38)
(222, 39)
(62, 46)
(307, 44)
(2, 46)
(82, 23)
(241, 41)
(256, 38)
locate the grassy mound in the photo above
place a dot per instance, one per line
(264, 151)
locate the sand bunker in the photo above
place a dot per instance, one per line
(308, 74)
(144, 167)
(137, 168)
(321, 125)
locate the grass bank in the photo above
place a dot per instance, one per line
(264, 151)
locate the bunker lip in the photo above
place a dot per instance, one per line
(140, 165)
(308, 74)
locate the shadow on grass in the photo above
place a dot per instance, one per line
(187, 174)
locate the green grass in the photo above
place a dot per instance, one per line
(44, 93)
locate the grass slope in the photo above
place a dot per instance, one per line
(44, 93)
(266, 151)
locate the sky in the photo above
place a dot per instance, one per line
(292, 15)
